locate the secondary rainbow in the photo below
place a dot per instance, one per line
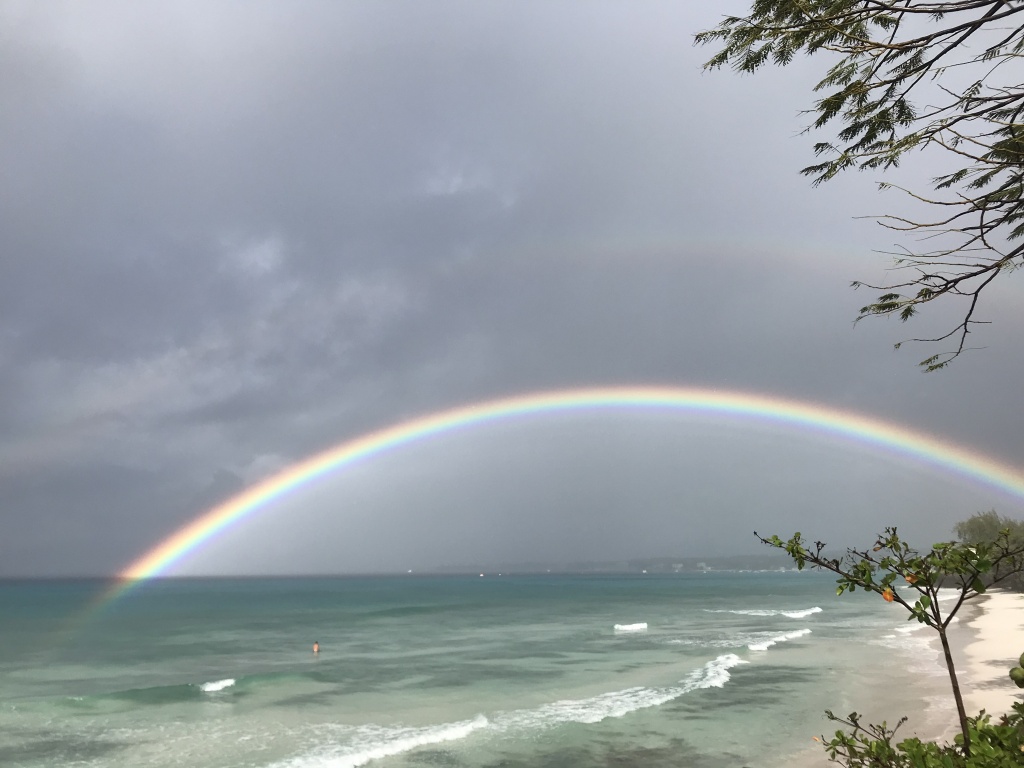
(786, 413)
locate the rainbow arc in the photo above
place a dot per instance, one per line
(835, 423)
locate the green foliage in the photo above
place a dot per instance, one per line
(985, 526)
(892, 568)
(969, 567)
(1017, 675)
(904, 75)
(993, 745)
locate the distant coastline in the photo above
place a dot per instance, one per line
(762, 562)
(650, 565)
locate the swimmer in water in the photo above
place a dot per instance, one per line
(316, 647)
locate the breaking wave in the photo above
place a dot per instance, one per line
(802, 613)
(368, 743)
(217, 685)
(372, 742)
(766, 644)
(714, 674)
(640, 627)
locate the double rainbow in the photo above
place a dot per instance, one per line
(830, 422)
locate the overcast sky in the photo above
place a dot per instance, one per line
(234, 234)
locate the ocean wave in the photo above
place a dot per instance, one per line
(906, 629)
(376, 742)
(766, 644)
(159, 695)
(371, 742)
(714, 674)
(944, 594)
(906, 636)
(217, 685)
(588, 711)
(757, 641)
(922, 656)
(909, 637)
(801, 613)
(731, 641)
(639, 627)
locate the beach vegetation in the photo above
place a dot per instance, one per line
(1017, 673)
(938, 77)
(912, 579)
(985, 526)
(993, 744)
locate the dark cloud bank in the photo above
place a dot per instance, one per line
(233, 235)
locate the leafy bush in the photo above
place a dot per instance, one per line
(968, 567)
(993, 745)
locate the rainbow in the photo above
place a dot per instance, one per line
(820, 419)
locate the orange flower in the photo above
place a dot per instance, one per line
(887, 595)
(911, 578)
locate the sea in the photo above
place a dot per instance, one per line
(702, 670)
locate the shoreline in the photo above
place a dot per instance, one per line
(987, 640)
(995, 645)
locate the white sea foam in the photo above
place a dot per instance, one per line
(766, 644)
(591, 710)
(802, 613)
(906, 638)
(217, 685)
(640, 627)
(755, 641)
(906, 629)
(921, 654)
(376, 742)
(368, 743)
(712, 642)
(714, 674)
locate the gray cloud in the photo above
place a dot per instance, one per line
(234, 235)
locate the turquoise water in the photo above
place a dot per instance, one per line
(704, 670)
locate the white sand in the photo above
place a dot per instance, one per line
(996, 645)
(987, 641)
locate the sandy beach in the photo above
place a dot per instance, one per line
(995, 644)
(986, 642)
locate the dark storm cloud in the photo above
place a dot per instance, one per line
(234, 234)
